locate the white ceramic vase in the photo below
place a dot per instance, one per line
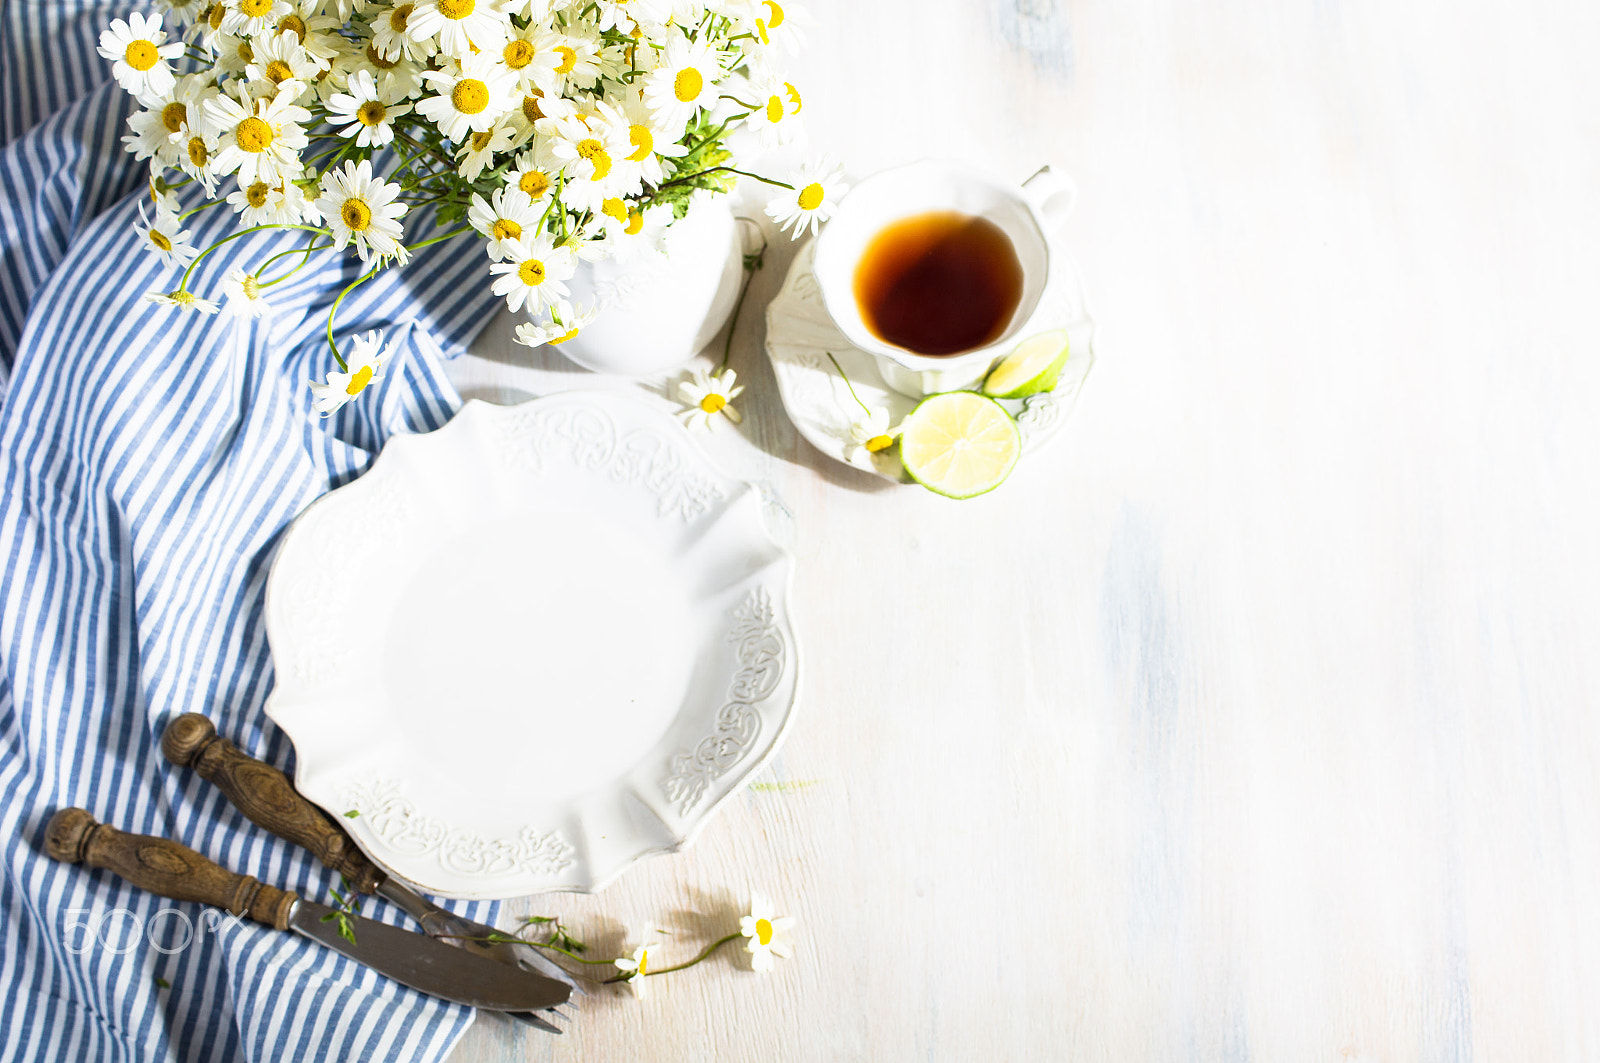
(658, 312)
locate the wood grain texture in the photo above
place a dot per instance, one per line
(1255, 718)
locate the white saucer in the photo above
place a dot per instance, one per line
(801, 335)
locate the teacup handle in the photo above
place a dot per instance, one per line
(1053, 193)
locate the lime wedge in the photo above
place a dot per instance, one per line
(1033, 367)
(959, 444)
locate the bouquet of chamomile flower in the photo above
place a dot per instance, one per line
(557, 131)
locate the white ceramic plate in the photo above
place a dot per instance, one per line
(532, 646)
(801, 335)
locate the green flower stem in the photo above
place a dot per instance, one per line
(364, 278)
(184, 283)
(843, 376)
(752, 263)
(686, 178)
(305, 256)
(709, 949)
(204, 206)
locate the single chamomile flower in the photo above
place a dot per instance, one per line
(470, 98)
(563, 324)
(363, 365)
(462, 27)
(767, 932)
(506, 215)
(776, 117)
(253, 18)
(816, 194)
(362, 112)
(277, 61)
(684, 82)
(871, 432)
(478, 150)
(709, 394)
(259, 203)
(634, 968)
(532, 273)
(244, 295)
(183, 300)
(362, 209)
(261, 139)
(534, 172)
(139, 56)
(391, 39)
(164, 235)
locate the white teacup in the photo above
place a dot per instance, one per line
(1027, 214)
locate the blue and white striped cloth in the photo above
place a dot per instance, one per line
(149, 460)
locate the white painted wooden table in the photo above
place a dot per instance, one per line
(1257, 717)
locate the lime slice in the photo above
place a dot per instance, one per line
(1033, 367)
(959, 444)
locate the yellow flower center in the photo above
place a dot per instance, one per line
(775, 11)
(173, 115)
(294, 24)
(245, 52)
(480, 141)
(141, 55)
(643, 141)
(197, 152)
(535, 183)
(470, 96)
(251, 286)
(400, 16)
(564, 337)
(278, 72)
(456, 9)
(644, 958)
(530, 106)
(253, 135)
(811, 196)
(635, 223)
(764, 931)
(359, 380)
(569, 59)
(713, 403)
(875, 444)
(794, 96)
(256, 194)
(371, 113)
(355, 214)
(614, 208)
(518, 54)
(255, 8)
(505, 229)
(595, 152)
(687, 85)
(774, 109)
(214, 16)
(377, 60)
(531, 273)
(160, 240)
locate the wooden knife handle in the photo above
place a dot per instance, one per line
(267, 797)
(164, 867)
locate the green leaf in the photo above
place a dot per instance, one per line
(352, 814)
(163, 983)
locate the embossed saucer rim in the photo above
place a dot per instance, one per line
(765, 580)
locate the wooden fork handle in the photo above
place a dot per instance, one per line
(164, 867)
(267, 797)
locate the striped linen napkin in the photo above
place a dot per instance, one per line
(149, 460)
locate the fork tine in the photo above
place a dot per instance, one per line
(533, 1019)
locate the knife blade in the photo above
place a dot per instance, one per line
(269, 800)
(176, 871)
